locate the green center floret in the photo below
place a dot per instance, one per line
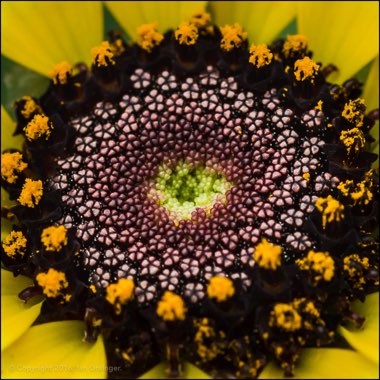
(184, 188)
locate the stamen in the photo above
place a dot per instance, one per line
(320, 263)
(354, 112)
(354, 140)
(54, 238)
(220, 288)
(267, 255)
(186, 33)
(120, 293)
(52, 282)
(331, 210)
(305, 68)
(233, 37)
(294, 43)
(148, 36)
(15, 244)
(354, 266)
(286, 317)
(171, 307)
(31, 193)
(11, 163)
(200, 19)
(260, 55)
(102, 55)
(37, 127)
(30, 106)
(207, 341)
(61, 73)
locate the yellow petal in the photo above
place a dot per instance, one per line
(263, 20)
(40, 34)
(371, 96)
(168, 14)
(16, 316)
(189, 372)
(327, 363)
(365, 340)
(8, 126)
(346, 34)
(55, 351)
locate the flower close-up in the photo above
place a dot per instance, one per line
(189, 189)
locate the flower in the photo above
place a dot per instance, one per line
(37, 335)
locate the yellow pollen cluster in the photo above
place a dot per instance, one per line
(15, 244)
(305, 68)
(200, 19)
(148, 36)
(345, 187)
(286, 317)
(331, 209)
(232, 36)
(354, 265)
(52, 282)
(267, 255)
(61, 72)
(117, 47)
(54, 238)
(37, 127)
(11, 163)
(220, 288)
(186, 33)
(354, 112)
(306, 176)
(171, 307)
(31, 193)
(102, 55)
(260, 55)
(319, 262)
(353, 139)
(120, 293)
(294, 43)
(30, 107)
(207, 348)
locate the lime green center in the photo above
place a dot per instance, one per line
(184, 188)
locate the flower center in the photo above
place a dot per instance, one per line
(185, 188)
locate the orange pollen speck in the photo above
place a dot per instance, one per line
(232, 36)
(11, 163)
(305, 68)
(61, 72)
(37, 127)
(102, 55)
(260, 55)
(31, 193)
(148, 36)
(186, 33)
